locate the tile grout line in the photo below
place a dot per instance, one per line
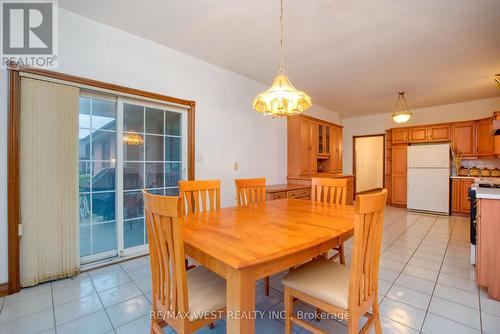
(399, 274)
(439, 272)
(427, 312)
(103, 307)
(53, 307)
(142, 294)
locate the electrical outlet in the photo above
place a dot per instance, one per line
(236, 166)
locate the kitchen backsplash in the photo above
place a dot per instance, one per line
(479, 163)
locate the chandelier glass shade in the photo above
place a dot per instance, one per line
(281, 99)
(404, 115)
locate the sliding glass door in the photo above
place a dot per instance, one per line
(125, 146)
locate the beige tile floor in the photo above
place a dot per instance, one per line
(426, 286)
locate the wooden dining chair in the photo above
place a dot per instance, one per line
(200, 195)
(339, 290)
(252, 191)
(198, 293)
(333, 191)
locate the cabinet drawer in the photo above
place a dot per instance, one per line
(278, 195)
(300, 193)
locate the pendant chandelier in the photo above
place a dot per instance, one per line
(404, 115)
(282, 99)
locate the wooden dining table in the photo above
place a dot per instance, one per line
(244, 244)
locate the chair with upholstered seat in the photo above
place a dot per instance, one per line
(248, 192)
(331, 190)
(334, 288)
(184, 300)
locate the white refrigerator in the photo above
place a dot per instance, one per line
(429, 178)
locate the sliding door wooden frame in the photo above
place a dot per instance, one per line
(13, 180)
(354, 160)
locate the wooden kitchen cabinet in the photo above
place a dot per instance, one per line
(433, 133)
(485, 141)
(400, 136)
(487, 255)
(418, 135)
(399, 177)
(313, 144)
(290, 190)
(336, 150)
(460, 195)
(463, 138)
(440, 132)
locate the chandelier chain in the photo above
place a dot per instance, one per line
(282, 65)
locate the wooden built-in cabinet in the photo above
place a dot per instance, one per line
(314, 146)
(472, 138)
(460, 195)
(400, 136)
(485, 140)
(487, 255)
(399, 177)
(290, 190)
(463, 138)
(440, 132)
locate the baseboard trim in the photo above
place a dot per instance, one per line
(4, 289)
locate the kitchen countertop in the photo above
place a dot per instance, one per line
(462, 177)
(488, 193)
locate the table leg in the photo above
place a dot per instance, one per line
(240, 295)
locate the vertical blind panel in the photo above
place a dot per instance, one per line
(49, 181)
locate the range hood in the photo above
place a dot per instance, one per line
(495, 123)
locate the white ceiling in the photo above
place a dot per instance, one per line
(350, 56)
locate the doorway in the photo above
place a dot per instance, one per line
(368, 162)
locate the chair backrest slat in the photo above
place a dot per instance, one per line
(194, 192)
(250, 191)
(368, 224)
(329, 190)
(166, 248)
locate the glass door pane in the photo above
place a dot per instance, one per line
(97, 158)
(153, 160)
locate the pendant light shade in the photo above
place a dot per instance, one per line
(404, 115)
(282, 99)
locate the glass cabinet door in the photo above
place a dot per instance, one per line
(327, 139)
(320, 139)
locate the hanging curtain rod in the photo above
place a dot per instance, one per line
(98, 86)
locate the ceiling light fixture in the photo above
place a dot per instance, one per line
(404, 115)
(282, 99)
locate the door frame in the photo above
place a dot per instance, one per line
(13, 140)
(354, 161)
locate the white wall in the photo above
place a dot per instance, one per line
(377, 124)
(227, 128)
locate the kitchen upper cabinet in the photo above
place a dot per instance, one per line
(418, 135)
(463, 138)
(311, 140)
(485, 141)
(425, 134)
(460, 195)
(399, 177)
(439, 132)
(400, 136)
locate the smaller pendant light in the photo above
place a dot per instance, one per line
(404, 115)
(282, 99)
